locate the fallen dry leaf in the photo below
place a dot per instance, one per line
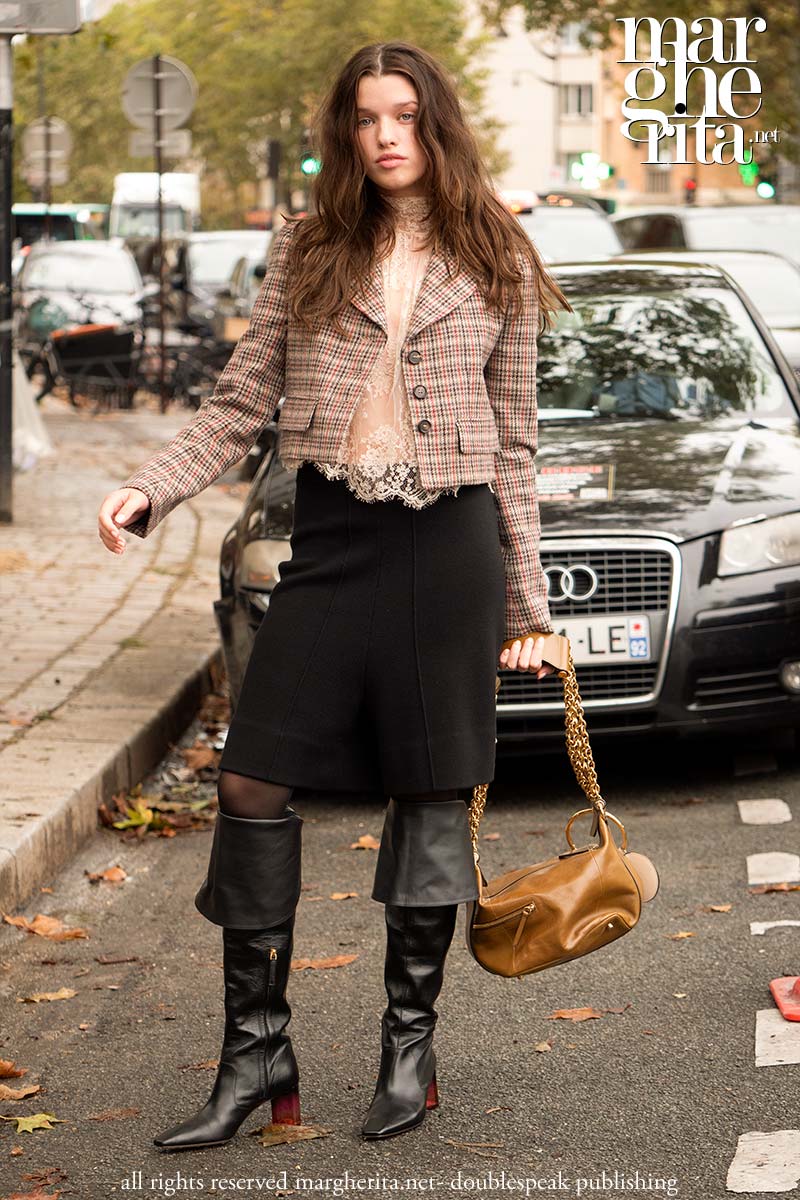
(491, 837)
(365, 842)
(46, 889)
(676, 937)
(108, 960)
(543, 1047)
(200, 756)
(9, 1093)
(16, 1150)
(210, 1064)
(499, 1108)
(574, 1014)
(680, 995)
(723, 908)
(63, 993)
(45, 1177)
(342, 895)
(10, 1070)
(276, 1134)
(37, 1195)
(110, 875)
(320, 964)
(476, 1147)
(760, 888)
(114, 1114)
(44, 926)
(37, 1121)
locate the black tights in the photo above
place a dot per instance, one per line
(260, 800)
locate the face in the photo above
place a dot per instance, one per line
(386, 121)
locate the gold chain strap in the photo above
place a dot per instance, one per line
(578, 749)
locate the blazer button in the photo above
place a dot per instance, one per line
(420, 391)
(414, 356)
(424, 425)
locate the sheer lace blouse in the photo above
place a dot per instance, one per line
(377, 456)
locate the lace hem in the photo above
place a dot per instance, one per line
(399, 481)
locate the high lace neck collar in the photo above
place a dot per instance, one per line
(411, 212)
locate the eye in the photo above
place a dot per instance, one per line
(408, 114)
(362, 120)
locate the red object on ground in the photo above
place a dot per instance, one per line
(786, 994)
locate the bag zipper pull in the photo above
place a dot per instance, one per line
(522, 919)
(273, 964)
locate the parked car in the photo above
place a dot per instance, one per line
(669, 456)
(561, 234)
(200, 266)
(234, 302)
(64, 284)
(772, 281)
(774, 227)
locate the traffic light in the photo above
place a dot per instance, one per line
(689, 191)
(309, 163)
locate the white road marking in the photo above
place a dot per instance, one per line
(777, 1040)
(759, 927)
(764, 812)
(766, 1162)
(773, 867)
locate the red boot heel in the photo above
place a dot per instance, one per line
(286, 1109)
(432, 1098)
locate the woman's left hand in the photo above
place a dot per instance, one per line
(526, 656)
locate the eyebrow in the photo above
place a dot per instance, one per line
(400, 104)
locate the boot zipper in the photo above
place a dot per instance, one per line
(273, 966)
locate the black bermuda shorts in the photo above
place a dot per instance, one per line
(374, 666)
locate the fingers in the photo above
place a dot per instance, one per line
(526, 655)
(111, 513)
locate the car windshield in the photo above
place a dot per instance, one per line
(81, 273)
(675, 349)
(567, 234)
(213, 261)
(776, 229)
(141, 220)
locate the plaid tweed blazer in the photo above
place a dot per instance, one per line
(471, 384)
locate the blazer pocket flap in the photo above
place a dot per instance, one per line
(478, 435)
(297, 411)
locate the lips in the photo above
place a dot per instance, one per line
(390, 158)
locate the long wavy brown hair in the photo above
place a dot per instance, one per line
(335, 247)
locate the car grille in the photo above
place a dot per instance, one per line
(729, 689)
(632, 579)
(594, 683)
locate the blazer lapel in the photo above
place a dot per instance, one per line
(437, 295)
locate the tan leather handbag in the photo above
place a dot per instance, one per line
(535, 917)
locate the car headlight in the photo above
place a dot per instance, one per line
(760, 545)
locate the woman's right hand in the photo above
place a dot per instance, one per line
(119, 508)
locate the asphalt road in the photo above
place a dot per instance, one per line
(664, 1088)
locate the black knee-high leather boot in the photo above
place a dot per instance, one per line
(252, 889)
(425, 869)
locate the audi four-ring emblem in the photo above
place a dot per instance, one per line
(577, 582)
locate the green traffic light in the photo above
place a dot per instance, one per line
(309, 165)
(765, 190)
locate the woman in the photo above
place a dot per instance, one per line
(386, 319)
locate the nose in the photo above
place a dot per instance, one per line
(386, 134)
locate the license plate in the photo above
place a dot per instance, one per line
(620, 638)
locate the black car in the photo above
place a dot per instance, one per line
(669, 485)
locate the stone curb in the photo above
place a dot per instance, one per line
(96, 745)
